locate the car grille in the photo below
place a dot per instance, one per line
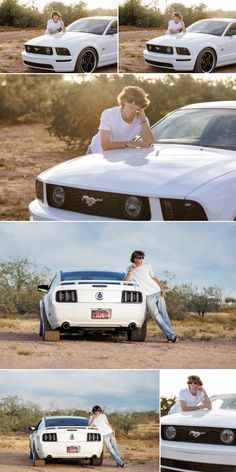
(207, 436)
(107, 204)
(178, 210)
(128, 296)
(39, 50)
(160, 64)
(160, 49)
(38, 65)
(194, 466)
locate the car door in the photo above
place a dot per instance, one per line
(111, 40)
(230, 44)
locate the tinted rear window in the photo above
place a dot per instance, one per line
(92, 275)
(66, 421)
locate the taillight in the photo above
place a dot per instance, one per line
(93, 437)
(129, 296)
(49, 437)
(66, 296)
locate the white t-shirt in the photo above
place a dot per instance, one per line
(185, 395)
(111, 120)
(142, 275)
(100, 422)
(51, 25)
(176, 27)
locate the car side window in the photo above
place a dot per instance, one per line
(113, 28)
(231, 31)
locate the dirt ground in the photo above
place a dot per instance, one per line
(12, 43)
(132, 42)
(21, 162)
(141, 456)
(21, 348)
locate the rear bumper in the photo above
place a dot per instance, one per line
(78, 315)
(57, 450)
(176, 62)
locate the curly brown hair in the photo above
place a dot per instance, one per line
(135, 94)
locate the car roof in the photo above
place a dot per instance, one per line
(219, 104)
(99, 18)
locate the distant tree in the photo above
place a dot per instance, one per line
(166, 404)
(18, 286)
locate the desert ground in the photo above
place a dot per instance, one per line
(21, 162)
(132, 42)
(139, 455)
(21, 348)
(12, 43)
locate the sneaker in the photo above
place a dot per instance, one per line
(173, 340)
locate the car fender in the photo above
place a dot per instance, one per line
(217, 197)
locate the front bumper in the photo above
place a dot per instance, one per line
(53, 62)
(206, 457)
(175, 62)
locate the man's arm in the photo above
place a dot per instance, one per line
(128, 274)
(158, 282)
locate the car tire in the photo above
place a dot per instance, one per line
(49, 334)
(97, 460)
(206, 61)
(87, 61)
(138, 334)
(36, 461)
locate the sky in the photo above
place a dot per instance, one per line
(111, 389)
(215, 381)
(195, 252)
(91, 4)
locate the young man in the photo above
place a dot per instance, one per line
(100, 421)
(151, 286)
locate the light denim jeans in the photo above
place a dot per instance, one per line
(110, 443)
(157, 308)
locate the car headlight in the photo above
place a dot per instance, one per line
(48, 50)
(183, 51)
(39, 189)
(63, 52)
(133, 207)
(227, 436)
(58, 196)
(170, 432)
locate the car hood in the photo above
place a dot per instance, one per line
(165, 170)
(181, 39)
(212, 418)
(60, 39)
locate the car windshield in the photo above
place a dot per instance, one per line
(88, 25)
(92, 275)
(66, 421)
(224, 402)
(216, 28)
(200, 127)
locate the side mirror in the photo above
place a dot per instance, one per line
(43, 288)
(32, 428)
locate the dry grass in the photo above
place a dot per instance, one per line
(212, 326)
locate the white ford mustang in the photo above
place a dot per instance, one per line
(82, 301)
(88, 43)
(65, 437)
(189, 174)
(200, 440)
(205, 45)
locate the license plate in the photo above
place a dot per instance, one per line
(100, 314)
(72, 449)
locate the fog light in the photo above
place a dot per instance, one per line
(133, 207)
(58, 196)
(170, 432)
(227, 436)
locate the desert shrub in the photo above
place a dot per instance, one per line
(13, 14)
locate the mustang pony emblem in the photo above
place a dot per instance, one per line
(72, 437)
(196, 434)
(90, 201)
